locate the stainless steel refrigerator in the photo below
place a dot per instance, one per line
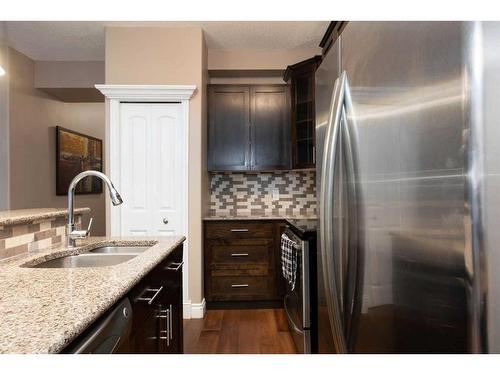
(408, 184)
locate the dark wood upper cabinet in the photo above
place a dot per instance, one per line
(270, 127)
(249, 127)
(229, 131)
(302, 84)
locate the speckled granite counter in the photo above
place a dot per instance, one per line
(258, 217)
(29, 215)
(43, 309)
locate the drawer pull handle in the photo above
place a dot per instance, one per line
(171, 326)
(150, 300)
(239, 230)
(174, 266)
(166, 334)
(236, 255)
(239, 285)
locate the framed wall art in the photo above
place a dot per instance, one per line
(75, 153)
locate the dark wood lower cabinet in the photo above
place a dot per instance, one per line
(242, 263)
(157, 309)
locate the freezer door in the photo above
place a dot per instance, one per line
(326, 75)
(406, 84)
(484, 168)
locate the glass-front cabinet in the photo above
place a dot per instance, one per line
(300, 76)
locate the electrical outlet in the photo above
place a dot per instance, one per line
(276, 194)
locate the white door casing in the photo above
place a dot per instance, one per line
(152, 121)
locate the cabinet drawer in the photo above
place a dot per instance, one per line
(239, 251)
(241, 287)
(250, 269)
(239, 229)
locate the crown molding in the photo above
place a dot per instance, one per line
(152, 93)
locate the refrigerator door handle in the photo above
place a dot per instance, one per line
(355, 265)
(332, 292)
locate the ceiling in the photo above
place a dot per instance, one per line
(84, 41)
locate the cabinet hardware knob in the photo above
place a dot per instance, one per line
(165, 220)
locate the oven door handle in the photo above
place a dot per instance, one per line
(289, 318)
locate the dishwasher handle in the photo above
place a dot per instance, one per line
(108, 335)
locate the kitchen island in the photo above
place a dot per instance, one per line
(42, 310)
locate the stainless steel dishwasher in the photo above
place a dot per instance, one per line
(109, 334)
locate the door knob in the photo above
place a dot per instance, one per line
(165, 220)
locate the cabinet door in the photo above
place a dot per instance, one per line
(228, 123)
(172, 321)
(270, 127)
(172, 327)
(145, 341)
(146, 323)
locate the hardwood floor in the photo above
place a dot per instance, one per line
(263, 331)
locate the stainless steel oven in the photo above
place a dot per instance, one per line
(299, 301)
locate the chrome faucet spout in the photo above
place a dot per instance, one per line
(72, 234)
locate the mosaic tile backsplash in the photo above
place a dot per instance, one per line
(19, 239)
(252, 193)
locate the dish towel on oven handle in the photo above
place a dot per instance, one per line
(289, 259)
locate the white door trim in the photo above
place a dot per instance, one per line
(115, 95)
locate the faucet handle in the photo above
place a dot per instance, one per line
(79, 234)
(90, 226)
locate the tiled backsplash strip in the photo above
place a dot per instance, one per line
(38, 235)
(252, 193)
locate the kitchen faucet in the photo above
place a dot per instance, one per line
(72, 234)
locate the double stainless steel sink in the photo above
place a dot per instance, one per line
(98, 257)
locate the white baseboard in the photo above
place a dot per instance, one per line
(194, 310)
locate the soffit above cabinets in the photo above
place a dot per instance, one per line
(70, 81)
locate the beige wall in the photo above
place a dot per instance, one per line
(156, 55)
(68, 74)
(4, 129)
(258, 59)
(33, 117)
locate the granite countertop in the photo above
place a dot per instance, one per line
(43, 309)
(11, 217)
(305, 224)
(259, 217)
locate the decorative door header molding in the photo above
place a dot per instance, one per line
(146, 93)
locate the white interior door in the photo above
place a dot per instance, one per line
(152, 169)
